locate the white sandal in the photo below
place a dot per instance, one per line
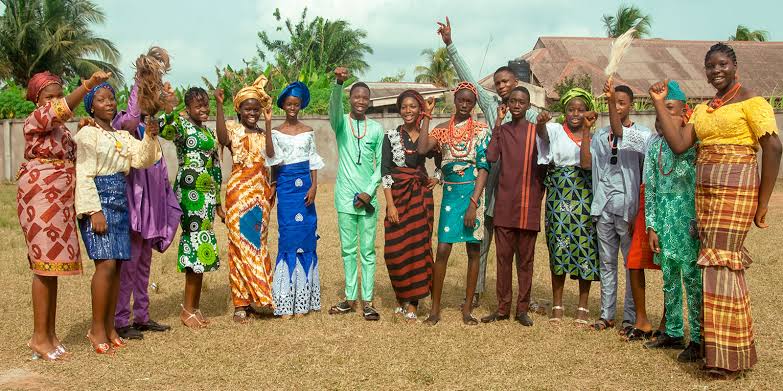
(582, 322)
(191, 315)
(553, 319)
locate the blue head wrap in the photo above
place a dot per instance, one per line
(297, 89)
(675, 92)
(91, 95)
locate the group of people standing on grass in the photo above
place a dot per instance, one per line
(680, 199)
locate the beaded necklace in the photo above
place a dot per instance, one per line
(464, 136)
(717, 103)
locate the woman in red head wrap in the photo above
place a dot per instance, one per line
(45, 199)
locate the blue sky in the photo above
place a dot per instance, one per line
(201, 34)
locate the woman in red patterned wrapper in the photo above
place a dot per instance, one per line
(45, 202)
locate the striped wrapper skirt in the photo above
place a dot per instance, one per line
(408, 249)
(727, 184)
(115, 242)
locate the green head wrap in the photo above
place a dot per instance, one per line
(675, 92)
(577, 92)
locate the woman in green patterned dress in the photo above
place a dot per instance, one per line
(570, 232)
(198, 190)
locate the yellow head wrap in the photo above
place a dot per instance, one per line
(254, 91)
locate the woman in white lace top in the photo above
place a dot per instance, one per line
(296, 286)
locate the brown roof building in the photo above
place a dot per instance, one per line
(646, 62)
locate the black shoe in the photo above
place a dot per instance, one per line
(494, 317)
(129, 332)
(370, 313)
(691, 354)
(151, 325)
(665, 341)
(524, 319)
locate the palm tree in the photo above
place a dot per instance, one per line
(53, 35)
(440, 71)
(327, 43)
(626, 17)
(743, 33)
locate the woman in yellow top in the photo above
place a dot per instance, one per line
(729, 197)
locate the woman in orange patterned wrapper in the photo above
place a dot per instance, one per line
(248, 195)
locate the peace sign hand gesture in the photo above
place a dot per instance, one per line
(444, 30)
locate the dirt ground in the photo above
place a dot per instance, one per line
(346, 352)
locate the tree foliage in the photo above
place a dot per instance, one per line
(744, 33)
(626, 17)
(439, 70)
(326, 43)
(53, 35)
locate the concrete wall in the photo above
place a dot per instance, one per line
(12, 142)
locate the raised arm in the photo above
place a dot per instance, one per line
(426, 143)
(486, 101)
(129, 118)
(493, 150)
(270, 146)
(615, 123)
(585, 156)
(680, 139)
(541, 120)
(336, 112)
(75, 98)
(220, 119)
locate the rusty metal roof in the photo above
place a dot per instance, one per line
(651, 60)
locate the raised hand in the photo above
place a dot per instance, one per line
(151, 126)
(659, 90)
(589, 120)
(219, 96)
(502, 110)
(543, 117)
(609, 88)
(97, 78)
(341, 74)
(268, 114)
(429, 105)
(444, 30)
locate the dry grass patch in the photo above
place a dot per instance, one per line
(345, 352)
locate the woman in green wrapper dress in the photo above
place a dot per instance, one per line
(570, 231)
(198, 190)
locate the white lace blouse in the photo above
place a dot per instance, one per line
(294, 149)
